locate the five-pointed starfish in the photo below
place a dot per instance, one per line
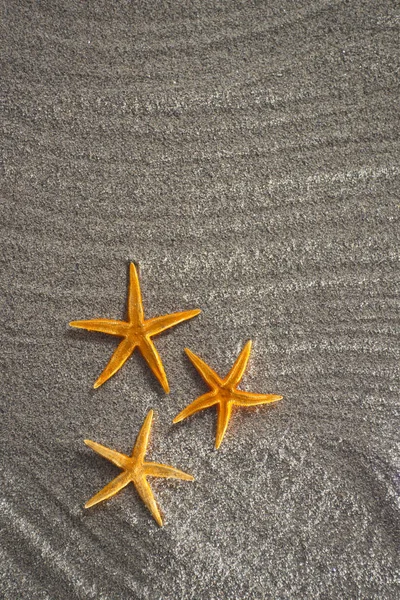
(135, 470)
(224, 392)
(136, 331)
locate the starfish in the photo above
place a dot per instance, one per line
(136, 333)
(224, 392)
(135, 470)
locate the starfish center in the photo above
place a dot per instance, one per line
(225, 393)
(135, 470)
(135, 332)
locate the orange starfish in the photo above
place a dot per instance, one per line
(136, 333)
(135, 470)
(224, 392)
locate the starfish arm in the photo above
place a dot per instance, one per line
(118, 328)
(249, 399)
(224, 414)
(110, 489)
(157, 470)
(159, 324)
(208, 374)
(153, 359)
(142, 440)
(135, 305)
(120, 356)
(236, 373)
(204, 401)
(115, 457)
(145, 492)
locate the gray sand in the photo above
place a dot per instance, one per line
(246, 155)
